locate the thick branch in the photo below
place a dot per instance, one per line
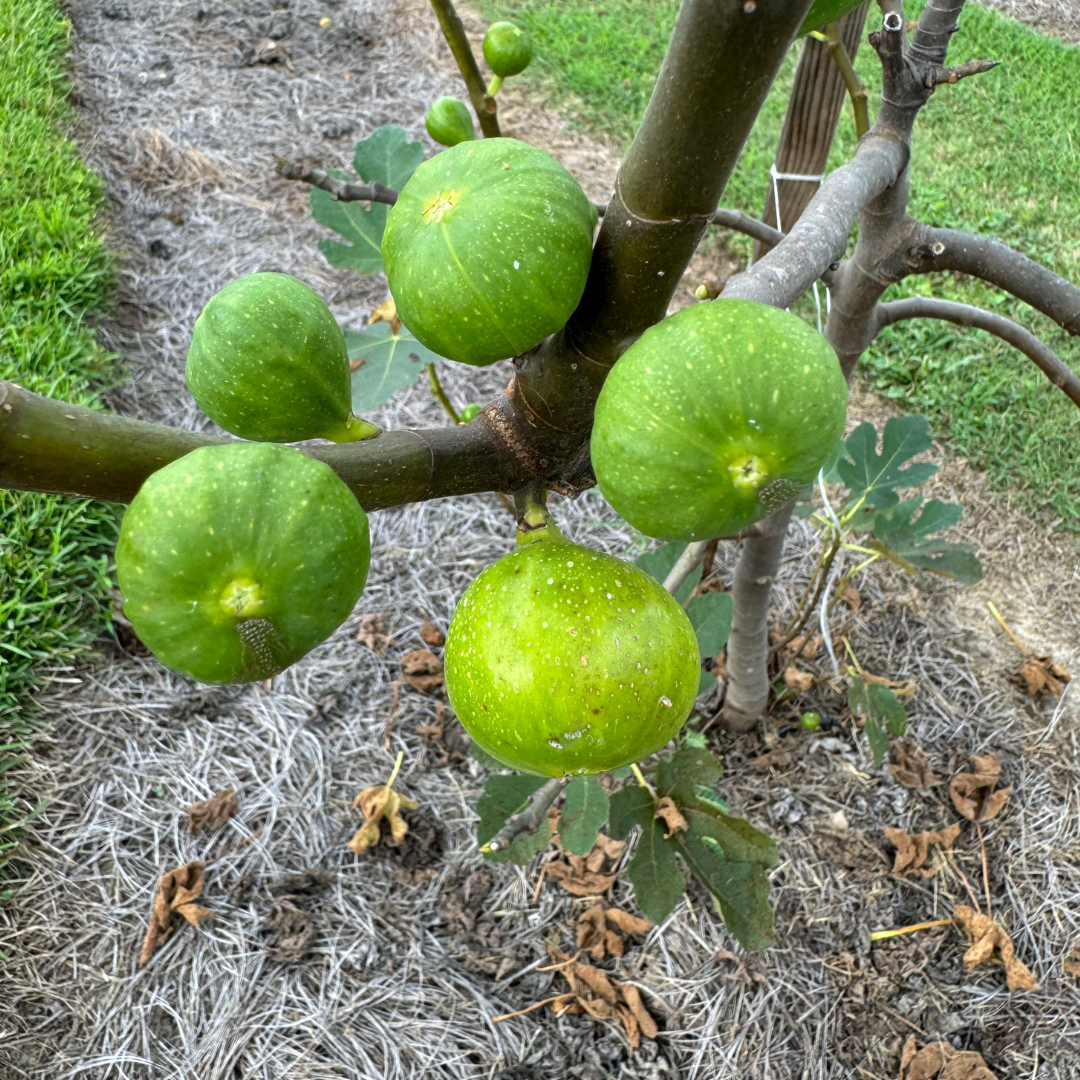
(53, 446)
(926, 307)
(342, 190)
(997, 263)
(453, 30)
(531, 818)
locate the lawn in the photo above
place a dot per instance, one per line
(999, 154)
(54, 277)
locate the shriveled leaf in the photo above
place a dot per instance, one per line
(661, 562)
(912, 850)
(670, 815)
(941, 1061)
(386, 312)
(975, 794)
(374, 632)
(384, 363)
(386, 157)
(212, 813)
(799, 681)
(710, 615)
(431, 634)
(731, 859)
(1041, 674)
(686, 769)
(380, 803)
(177, 892)
(912, 768)
(874, 476)
(577, 878)
(584, 814)
(503, 796)
(422, 670)
(884, 714)
(989, 941)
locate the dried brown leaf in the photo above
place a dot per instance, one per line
(809, 648)
(799, 681)
(851, 597)
(770, 759)
(577, 879)
(373, 633)
(973, 793)
(989, 941)
(627, 923)
(381, 803)
(1041, 674)
(671, 816)
(212, 813)
(942, 1061)
(912, 851)
(422, 669)
(900, 687)
(386, 312)
(177, 891)
(632, 996)
(599, 931)
(431, 634)
(1071, 964)
(912, 768)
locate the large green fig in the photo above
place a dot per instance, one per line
(714, 417)
(235, 560)
(268, 362)
(507, 49)
(487, 249)
(449, 121)
(561, 659)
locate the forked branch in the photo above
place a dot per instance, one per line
(928, 307)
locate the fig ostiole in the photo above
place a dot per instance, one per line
(236, 560)
(565, 660)
(487, 249)
(268, 362)
(715, 417)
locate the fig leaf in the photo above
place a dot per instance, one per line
(391, 362)
(884, 712)
(584, 814)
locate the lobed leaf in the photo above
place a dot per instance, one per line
(873, 477)
(391, 362)
(688, 768)
(654, 872)
(905, 539)
(884, 712)
(584, 813)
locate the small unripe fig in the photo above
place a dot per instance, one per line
(810, 720)
(449, 121)
(564, 660)
(507, 49)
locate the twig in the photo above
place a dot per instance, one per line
(529, 819)
(482, 102)
(881, 935)
(562, 963)
(685, 564)
(821, 576)
(440, 393)
(856, 89)
(942, 75)
(341, 190)
(1005, 626)
(928, 307)
(522, 1012)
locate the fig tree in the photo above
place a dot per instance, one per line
(268, 362)
(236, 560)
(449, 121)
(714, 417)
(487, 249)
(561, 659)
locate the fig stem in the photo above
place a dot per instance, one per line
(642, 782)
(396, 769)
(494, 85)
(440, 393)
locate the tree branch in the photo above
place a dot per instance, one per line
(684, 564)
(53, 446)
(531, 818)
(926, 307)
(483, 104)
(342, 190)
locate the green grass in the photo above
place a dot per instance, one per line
(54, 276)
(999, 155)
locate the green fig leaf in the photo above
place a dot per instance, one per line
(686, 769)
(654, 872)
(391, 362)
(884, 712)
(905, 540)
(584, 814)
(629, 807)
(710, 615)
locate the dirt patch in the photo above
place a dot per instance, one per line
(392, 964)
(1058, 18)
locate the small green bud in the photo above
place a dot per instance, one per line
(469, 412)
(702, 293)
(811, 721)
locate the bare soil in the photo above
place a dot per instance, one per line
(319, 963)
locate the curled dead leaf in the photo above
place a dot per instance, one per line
(177, 892)
(989, 941)
(212, 813)
(422, 670)
(671, 816)
(973, 793)
(386, 312)
(941, 1061)
(373, 633)
(912, 768)
(912, 851)
(1041, 674)
(600, 930)
(799, 681)
(380, 803)
(851, 597)
(809, 648)
(1071, 964)
(584, 875)
(431, 634)
(900, 687)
